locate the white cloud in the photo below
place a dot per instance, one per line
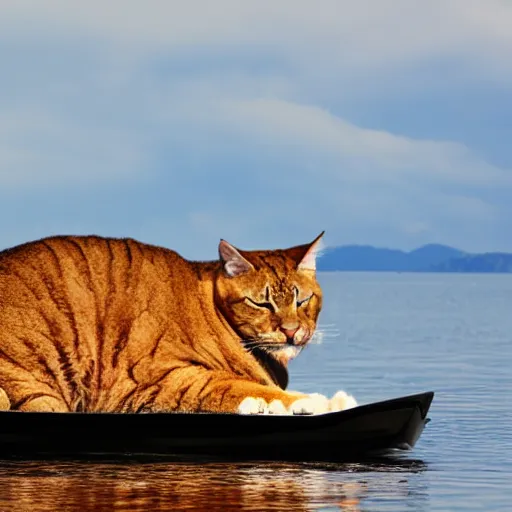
(362, 154)
(339, 33)
(232, 98)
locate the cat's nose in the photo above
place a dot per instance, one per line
(289, 332)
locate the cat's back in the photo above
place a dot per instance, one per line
(100, 253)
(97, 264)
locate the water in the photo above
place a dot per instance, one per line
(386, 335)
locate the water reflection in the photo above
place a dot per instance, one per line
(199, 485)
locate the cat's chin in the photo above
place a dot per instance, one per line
(286, 354)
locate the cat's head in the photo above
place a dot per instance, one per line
(270, 298)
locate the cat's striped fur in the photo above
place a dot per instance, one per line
(102, 324)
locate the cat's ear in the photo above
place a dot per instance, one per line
(234, 263)
(308, 261)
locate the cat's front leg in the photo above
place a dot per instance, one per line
(198, 390)
(275, 401)
(252, 398)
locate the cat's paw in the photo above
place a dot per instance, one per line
(314, 403)
(342, 401)
(5, 403)
(277, 407)
(251, 405)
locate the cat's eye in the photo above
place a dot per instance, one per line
(302, 301)
(263, 305)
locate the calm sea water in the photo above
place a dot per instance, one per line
(386, 335)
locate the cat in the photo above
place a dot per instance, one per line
(90, 324)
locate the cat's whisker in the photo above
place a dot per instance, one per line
(332, 329)
(265, 345)
(328, 331)
(251, 344)
(320, 335)
(327, 334)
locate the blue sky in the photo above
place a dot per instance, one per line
(264, 123)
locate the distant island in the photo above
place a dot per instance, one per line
(429, 258)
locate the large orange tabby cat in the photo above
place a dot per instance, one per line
(102, 324)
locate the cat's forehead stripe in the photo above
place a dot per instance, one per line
(281, 287)
(273, 270)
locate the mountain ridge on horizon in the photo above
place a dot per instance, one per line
(432, 257)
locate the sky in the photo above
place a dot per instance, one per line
(264, 123)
